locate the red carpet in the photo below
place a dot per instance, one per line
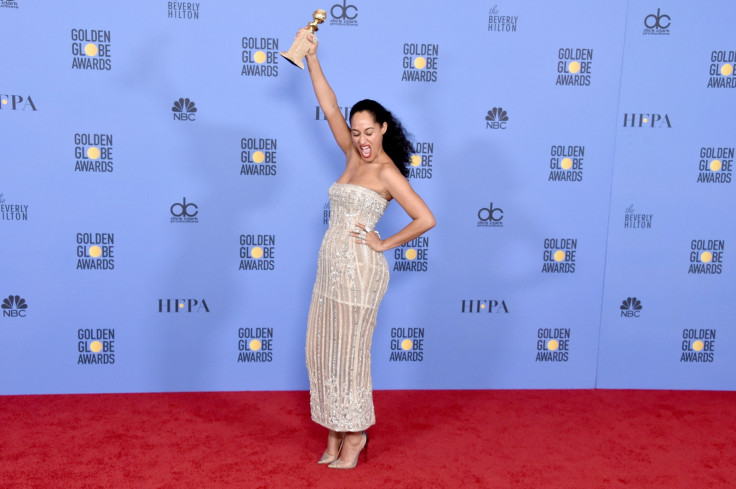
(423, 439)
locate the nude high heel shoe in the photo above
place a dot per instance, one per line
(339, 464)
(326, 458)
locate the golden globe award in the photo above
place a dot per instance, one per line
(301, 44)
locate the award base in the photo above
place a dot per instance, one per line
(298, 50)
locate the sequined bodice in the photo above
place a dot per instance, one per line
(351, 204)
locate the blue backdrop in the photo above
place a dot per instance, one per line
(164, 175)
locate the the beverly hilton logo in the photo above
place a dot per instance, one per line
(12, 211)
(501, 23)
(184, 10)
(637, 220)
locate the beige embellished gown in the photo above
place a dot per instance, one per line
(351, 281)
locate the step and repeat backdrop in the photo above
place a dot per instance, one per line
(164, 176)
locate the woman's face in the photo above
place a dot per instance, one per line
(367, 134)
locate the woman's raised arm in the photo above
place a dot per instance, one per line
(328, 101)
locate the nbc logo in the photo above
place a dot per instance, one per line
(496, 118)
(184, 110)
(631, 308)
(14, 306)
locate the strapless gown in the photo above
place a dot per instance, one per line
(351, 281)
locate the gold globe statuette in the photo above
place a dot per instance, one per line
(301, 44)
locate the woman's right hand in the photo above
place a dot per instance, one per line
(312, 37)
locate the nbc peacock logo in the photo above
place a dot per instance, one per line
(631, 307)
(14, 306)
(497, 118)
(184, 109)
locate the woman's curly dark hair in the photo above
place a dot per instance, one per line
(395, 142)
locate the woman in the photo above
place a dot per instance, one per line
(352, 273)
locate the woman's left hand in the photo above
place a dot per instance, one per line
(367, 236)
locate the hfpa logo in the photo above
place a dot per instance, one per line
(647, 120)
(182, 305)
(483, 305)
(16, 102)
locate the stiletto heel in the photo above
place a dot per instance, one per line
(365, 456)
(339, 464)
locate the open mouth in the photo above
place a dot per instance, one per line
(365, 151)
